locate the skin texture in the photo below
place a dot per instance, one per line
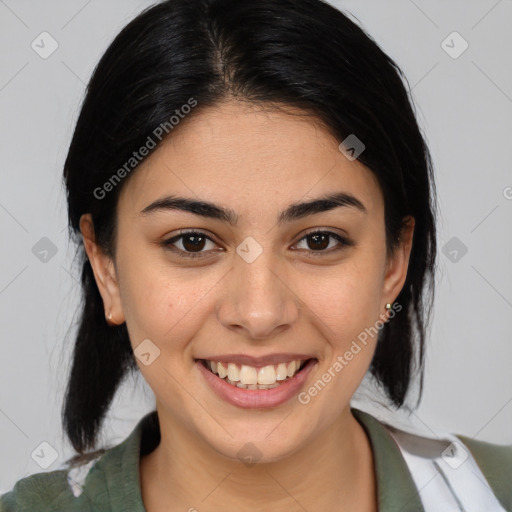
(290, 299)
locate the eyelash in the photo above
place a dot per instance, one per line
(343, 242)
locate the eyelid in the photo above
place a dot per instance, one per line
(343, 241)
(327, 231)
(191, 231)
(168, 243)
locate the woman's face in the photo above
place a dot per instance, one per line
(254, 287)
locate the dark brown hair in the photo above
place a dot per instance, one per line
(299, 53)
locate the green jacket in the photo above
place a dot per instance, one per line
(110, 483)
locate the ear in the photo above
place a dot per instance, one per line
(104, 272)
(398, 263)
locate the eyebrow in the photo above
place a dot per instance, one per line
(293, 212)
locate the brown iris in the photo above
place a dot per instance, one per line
(320, 241)
(193, 243)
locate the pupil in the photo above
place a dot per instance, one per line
(196, 242)
(321, 241)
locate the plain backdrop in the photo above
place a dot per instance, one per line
(464, 105)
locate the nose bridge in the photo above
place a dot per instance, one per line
(258, 300)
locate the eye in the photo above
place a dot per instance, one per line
(193, 244)
(323, 242)
(190, 244)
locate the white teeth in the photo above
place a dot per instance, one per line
(281, 372)
(253, 386)
(248, 377)
(267, 375)
(234, 373)
(221, 371)
(291, 369)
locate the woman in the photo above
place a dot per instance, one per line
(255, 208)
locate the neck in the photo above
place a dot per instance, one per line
(334, 472)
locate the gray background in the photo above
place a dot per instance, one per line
(464, 106)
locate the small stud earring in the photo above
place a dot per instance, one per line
(388, 306)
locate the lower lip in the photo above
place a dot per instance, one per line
(257, 398)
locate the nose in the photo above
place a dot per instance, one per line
(259, 302)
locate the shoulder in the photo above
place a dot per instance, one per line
(495, 462)
(500, 455)
(104, 480)
(469, 474)
(464, 463)
(35, 492)
(55, 491)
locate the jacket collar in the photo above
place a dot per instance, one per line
(395, 488)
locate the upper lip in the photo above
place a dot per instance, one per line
(257, 362)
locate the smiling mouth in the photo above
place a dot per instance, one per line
(249, 377)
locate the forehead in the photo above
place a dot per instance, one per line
(242, 155)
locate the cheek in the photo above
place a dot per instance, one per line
(153, 305)
(346, 299)
(346, 307)
(161, 303)
(145, 293)
(164, 311)
(146, 299)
